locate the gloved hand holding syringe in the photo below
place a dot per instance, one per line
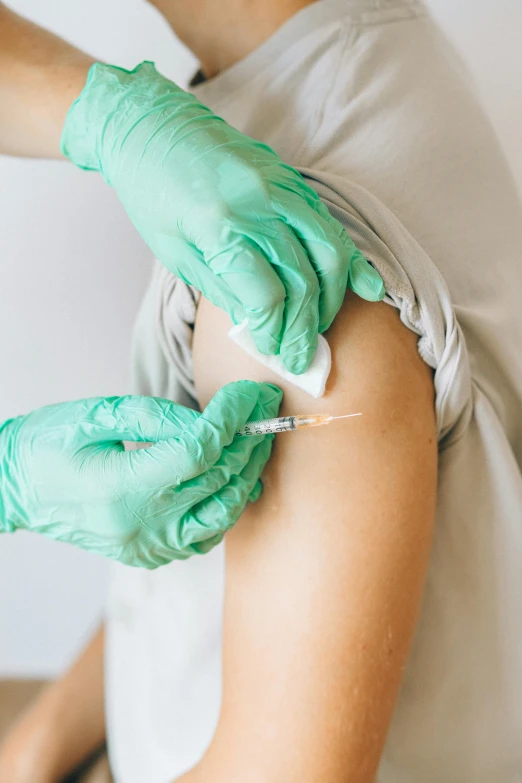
(288, 423)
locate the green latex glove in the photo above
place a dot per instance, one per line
(219, 210)
(65, 473)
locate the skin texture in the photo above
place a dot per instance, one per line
(325, 573)
(40, 76)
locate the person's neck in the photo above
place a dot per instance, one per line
(222, 33)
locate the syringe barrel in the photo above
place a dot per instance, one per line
(267, 426)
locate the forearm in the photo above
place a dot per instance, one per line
(40, 76)
(63, 727)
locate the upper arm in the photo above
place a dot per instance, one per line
(324, 574)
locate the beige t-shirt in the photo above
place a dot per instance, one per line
(370, 102)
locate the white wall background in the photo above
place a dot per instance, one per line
(72, 270)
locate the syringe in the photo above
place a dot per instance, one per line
(287, 423)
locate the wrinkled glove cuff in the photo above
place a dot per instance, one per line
(111, 102)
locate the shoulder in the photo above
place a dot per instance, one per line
(375, 365)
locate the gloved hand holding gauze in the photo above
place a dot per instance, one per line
(313, 381)
(65, 472)
(219, 210)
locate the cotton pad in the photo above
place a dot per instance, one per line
(313, 381)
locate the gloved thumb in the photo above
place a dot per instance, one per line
(198, 447)
(136, 418)
(239, 402)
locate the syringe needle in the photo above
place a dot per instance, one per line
(347, 416)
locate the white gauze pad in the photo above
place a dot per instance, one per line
(312, 381)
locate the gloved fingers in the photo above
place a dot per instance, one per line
(301, 319)
(333, 256)
(145, 551)
(252, 281)
(233, 458)
(323, 240)
(176, 528)
(256, 492)
(364, 280)
(219, 512)
(217, 291)
(232, 461)
(205, 546)
(174, 461)
(184, 260)
(134, 418)
(268, 402)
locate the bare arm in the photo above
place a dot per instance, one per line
(325, 573)
(40, 76)
(62, 728)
